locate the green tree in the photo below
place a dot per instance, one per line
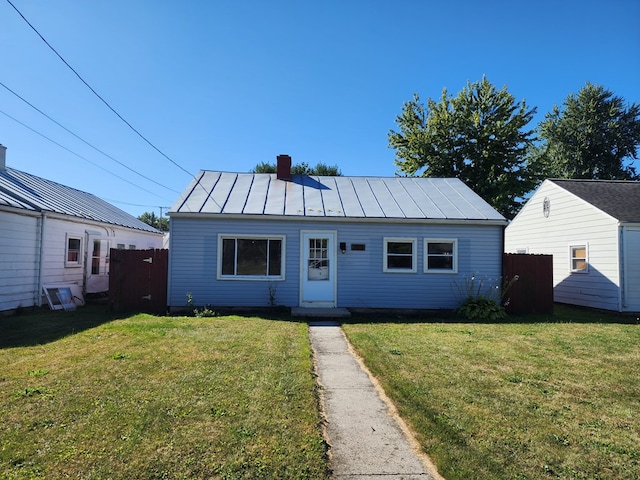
(479, 136)
(303, 168)
(594, 136)
(150, 218)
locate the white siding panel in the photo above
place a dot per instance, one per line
(19, 247)
(571, 221)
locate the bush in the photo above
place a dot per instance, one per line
(482, 308)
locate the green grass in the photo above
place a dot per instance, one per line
(88, 395)
(553, 397)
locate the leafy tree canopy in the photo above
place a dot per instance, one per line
(303, 168)
(150, 218)
(594, 136)
(479, 136)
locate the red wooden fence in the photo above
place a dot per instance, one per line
(138, 280)
(533, 291)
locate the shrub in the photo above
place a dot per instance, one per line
(482, 308)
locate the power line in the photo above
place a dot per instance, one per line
(77, 155)
(198, 184)
(85, 142)
(96, 93)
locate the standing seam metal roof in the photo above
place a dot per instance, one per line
(213, 192)
(30, 192)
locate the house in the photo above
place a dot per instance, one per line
(51, 234)
(245, 239)
(592, 229)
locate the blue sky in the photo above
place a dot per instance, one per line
(225, 85)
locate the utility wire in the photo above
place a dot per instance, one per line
(198, 184)
(78, 155)
(85, 142)
(96, 93)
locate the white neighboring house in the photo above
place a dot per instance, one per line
(592, 229)
(51, 234)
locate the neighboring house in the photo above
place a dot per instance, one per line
(51, 234)
(592, 229)
(244, 239)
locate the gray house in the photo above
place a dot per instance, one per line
(592, 229)
(244, 239)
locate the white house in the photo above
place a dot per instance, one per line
(592, 229)
(245, 239)
(51, 234)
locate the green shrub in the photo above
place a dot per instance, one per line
(482, 308)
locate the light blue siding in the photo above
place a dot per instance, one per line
(361, 281)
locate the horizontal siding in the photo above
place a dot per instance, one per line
(361, 281)
(571, 221)
(19, 246)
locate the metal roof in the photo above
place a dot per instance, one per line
(618, 198)
(29, 192)
(419, 198)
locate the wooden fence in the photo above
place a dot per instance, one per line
(138, 280)
(532, 292)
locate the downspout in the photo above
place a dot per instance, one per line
(38, 299)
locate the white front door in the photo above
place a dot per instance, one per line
(318, 269)
(97, 265)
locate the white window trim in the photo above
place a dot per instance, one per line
(586, 254)
(414, 255)
(67, 263)
(454, 268)
(256, 278)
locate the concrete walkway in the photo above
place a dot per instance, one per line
(367, 440)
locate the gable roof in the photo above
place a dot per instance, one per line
(30, 192)
(225, 193)
(618, 198)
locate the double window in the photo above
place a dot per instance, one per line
(253, 257)
(579, 258)
(440, 255)
(400, 255)
(73, 252)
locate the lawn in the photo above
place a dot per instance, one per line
(551, 397)
(88, 395)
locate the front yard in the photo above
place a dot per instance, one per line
(150, 397)
(88, 395)
(556, 397)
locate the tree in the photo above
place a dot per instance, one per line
(595, 136)
(303, 168)
(476, 136)
(161, 223)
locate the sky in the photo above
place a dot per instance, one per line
(226, 85)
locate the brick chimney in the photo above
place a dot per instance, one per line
(3, 157)
(283, 167)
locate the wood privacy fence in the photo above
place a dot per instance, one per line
(138, 280)
(533, 291)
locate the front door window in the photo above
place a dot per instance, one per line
(318, 259)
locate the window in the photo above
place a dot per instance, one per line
(579, 258)
(73, 254)
(400, 255)
(251, 257)
(132, 247)
(121, 246)
(441, 255)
